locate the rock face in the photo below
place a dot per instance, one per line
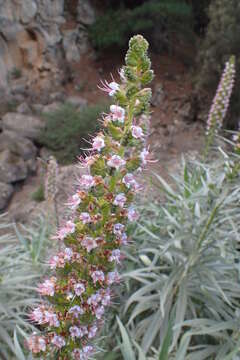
(24, 125)
(6, 191)
(12, 168)
(85, 12)
(35, 39)
(18, 145)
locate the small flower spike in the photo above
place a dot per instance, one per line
(221, 101)
(84, 271)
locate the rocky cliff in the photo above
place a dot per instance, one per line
(37, 37)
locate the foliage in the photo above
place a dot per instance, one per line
(35, 239)
(220, 43)
(183, 292)
(16, 73)
(67, 130)
(200, 12)
(114, 27)
(20, 268)
(38, 195)
(79, 288)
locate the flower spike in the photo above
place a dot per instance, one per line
(83, 272)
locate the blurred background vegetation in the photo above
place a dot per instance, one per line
(212, 27)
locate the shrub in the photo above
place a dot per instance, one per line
(67, 130)
(200, 12)
(220, 43)
(183, 294)
(38, 195)
(16, 73)
(20, 268)
(150, 18)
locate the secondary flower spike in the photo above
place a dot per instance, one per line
(83, 272)
(221, 101)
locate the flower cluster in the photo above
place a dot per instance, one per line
(221, 101)
(85, 269)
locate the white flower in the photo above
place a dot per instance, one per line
(98, 275)
(58, 341)
(85, 217)
(87, 181)
(79, 289)
(74, 202)
(132, 214)
(76, 310)
(116, 162)
(117, 113)
(110, 88)
(115, 256)
(114, 88)
(137, 132)
(98, 143)
(120, 200)
(89, 243)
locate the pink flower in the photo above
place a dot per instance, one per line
(77, 353)
(87, 161)
(120, 200)
(79, 289)
(78, 332)
(74, 202)
(115, 256)
(130, 182)
(89, 243)
(117, 113)
(112, 277)
(51, 318)
(99, 311)
(118, 229)
(74, 331)
(132, 214)
(123, 239)
(83, 354)
(38, 315)
(98, 275)
(94, 299)
(86, 181)
(145, 156)
(48, 287)
(69, 228)
(76, 310)
(116, 162)
(57, 261)
(36, 344)
(137, 132)
(85, 217)
(111, 88)
(92, 331)
(98, 143)
(58, 341)
(87, 351)
(106, 297)
(68, 253)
